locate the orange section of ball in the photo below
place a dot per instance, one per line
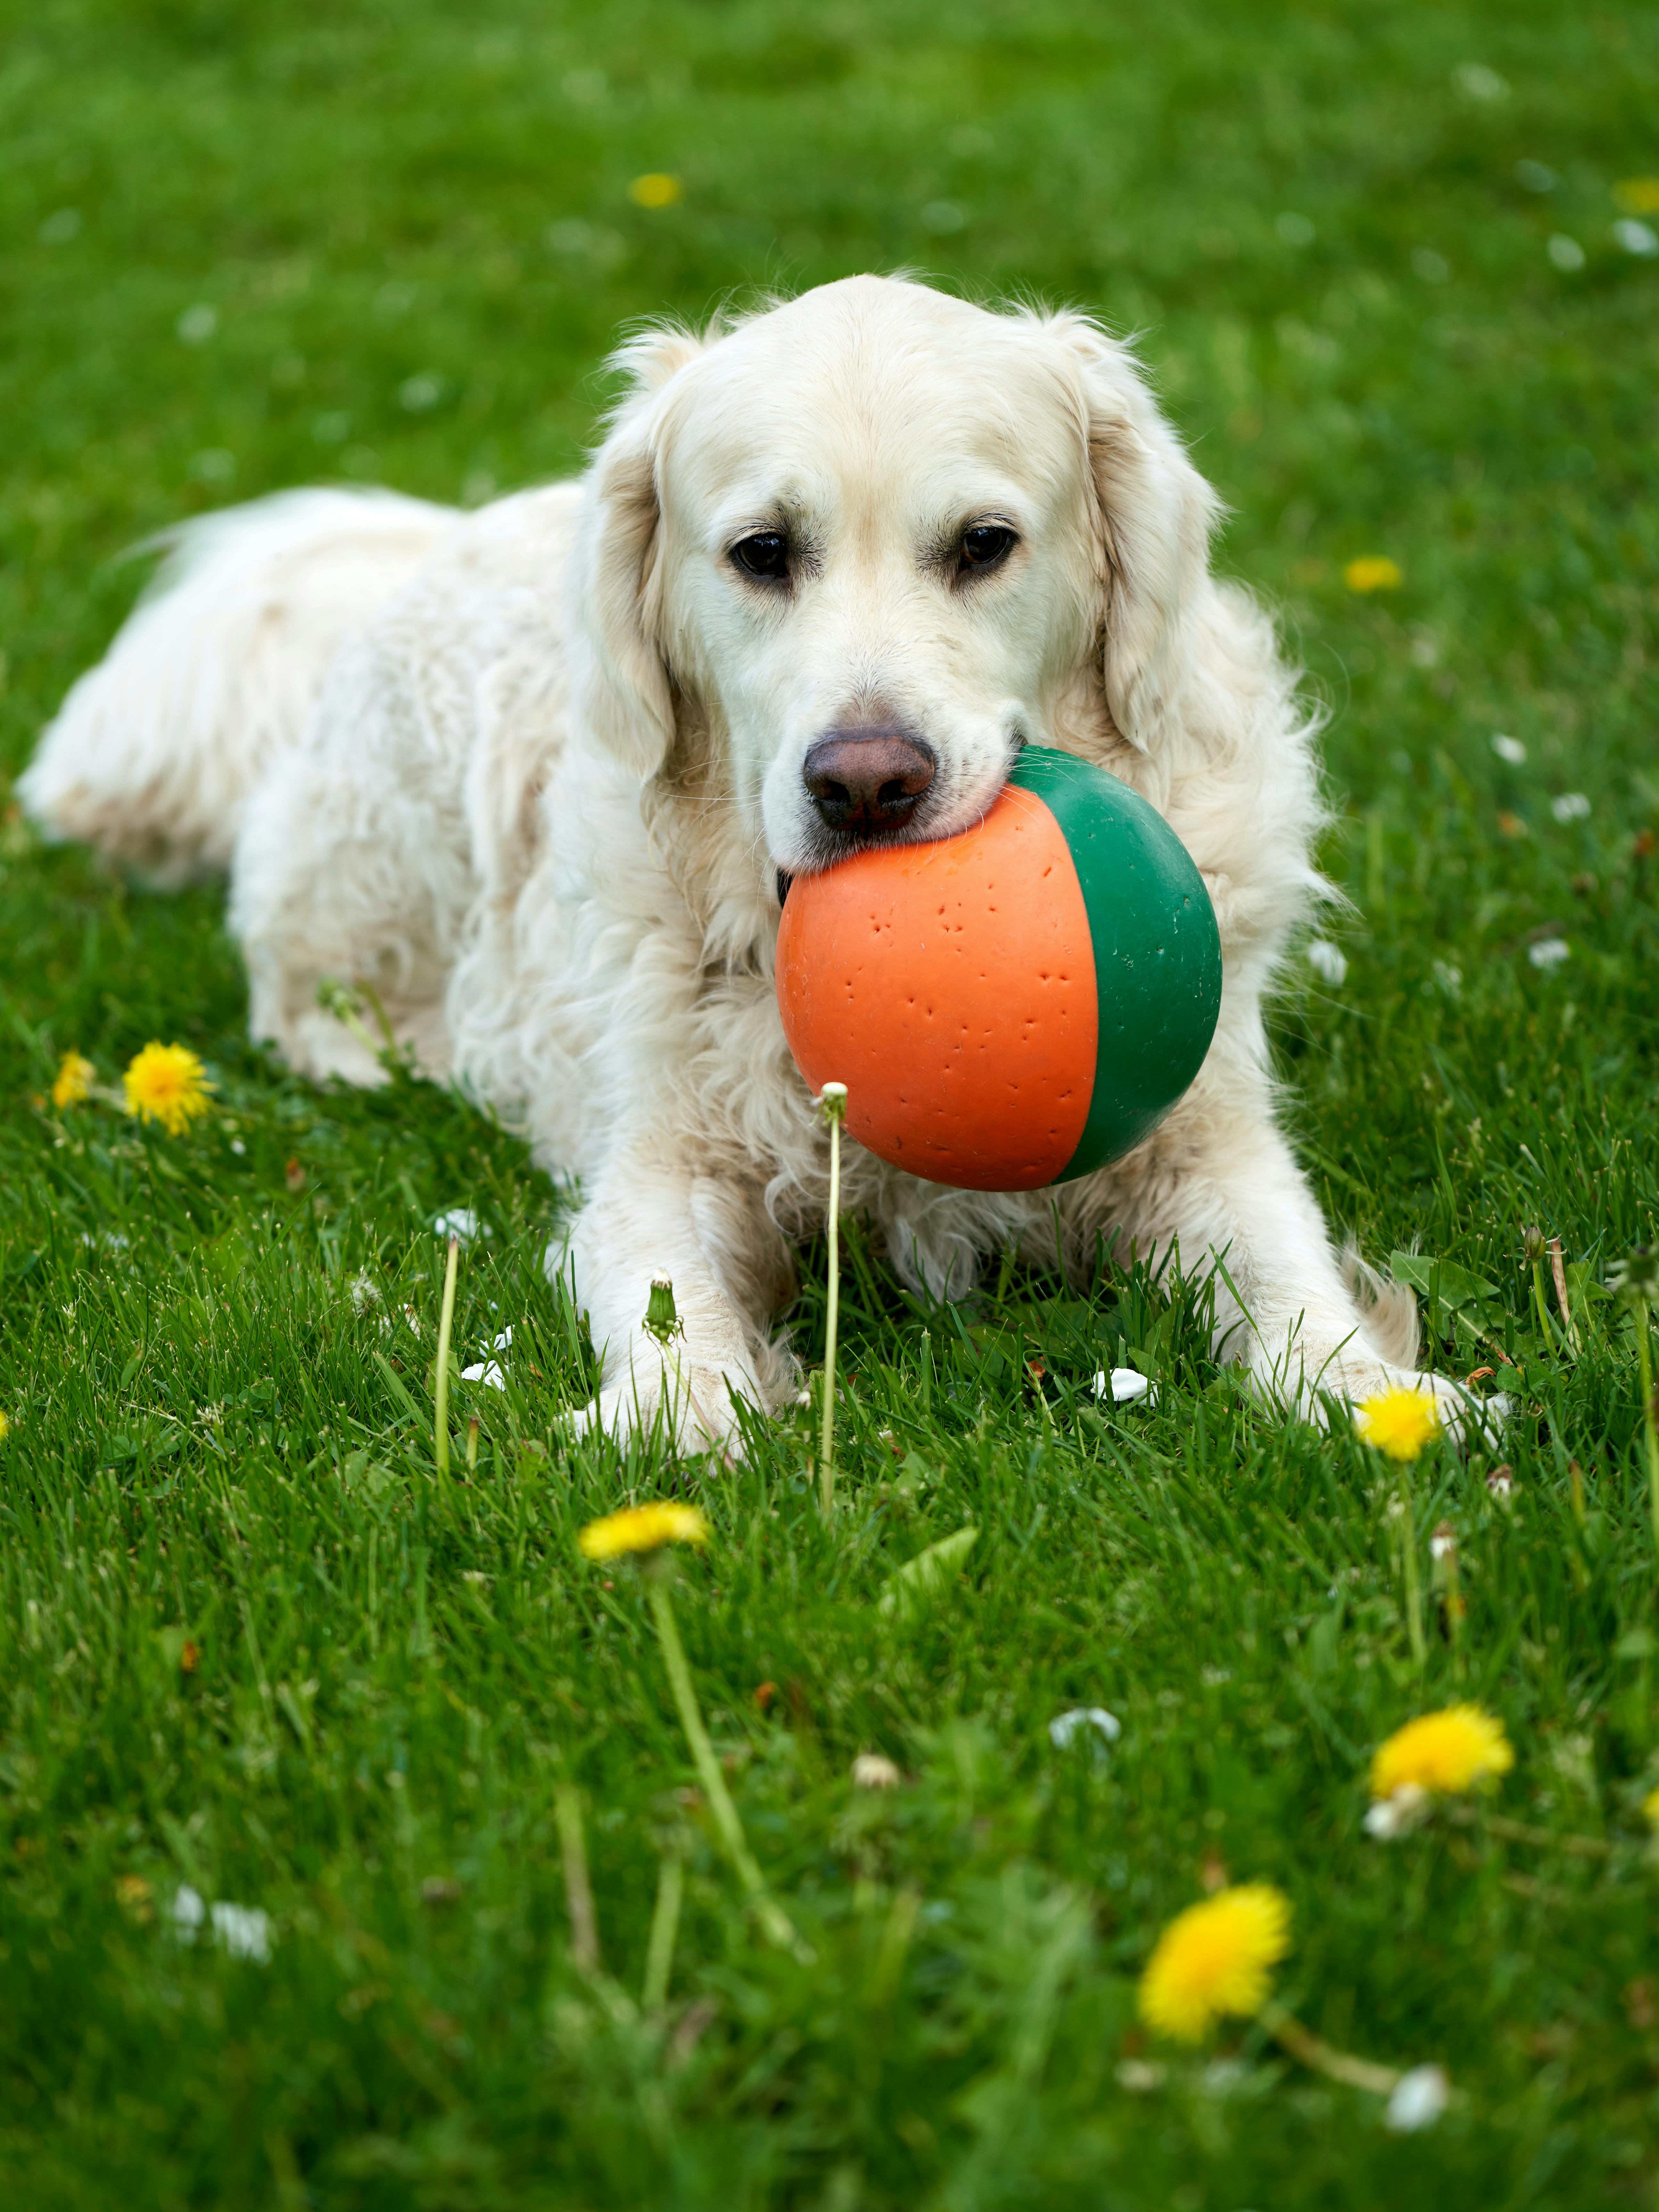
(950, 986)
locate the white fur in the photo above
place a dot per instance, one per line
(531, 773)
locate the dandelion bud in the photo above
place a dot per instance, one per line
(662, 1318)
(1532, 1240)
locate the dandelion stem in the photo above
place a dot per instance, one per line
(772, 1916)
(578, 1890)
(665, 1927)
(440, 1387)
(1534, 1240)
(336, 998)
(1322, 2058)
(835, 1106)
(1414, 1576)
(1376, 879)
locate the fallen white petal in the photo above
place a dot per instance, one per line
(461, 1222)
(1327, 960)
(1065, 1727)
(1571, 806)
(1419, 2099)
(1549, 952)
(244, 1930)
(1123, 1386)
(486, 1372)
(871, 1770)
(1636, 238)
(1510, 750)
(1479, 82)
(188, 1911)
(504, 1341)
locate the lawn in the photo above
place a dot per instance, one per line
(1395, 272)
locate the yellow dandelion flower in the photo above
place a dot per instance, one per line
(1373, 572)
(167, 1083)
(1214, 1958)
(74, 1080)
(642, 1529)
(1638, 195)
(655, 190)
(1399, 1422)
(5, 1431)
(1649, 1803)
(1444, 1752)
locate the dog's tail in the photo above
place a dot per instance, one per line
(1387, 1309)
(153, 752)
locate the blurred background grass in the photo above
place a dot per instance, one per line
(1394, 270)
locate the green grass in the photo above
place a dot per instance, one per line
(412, 227)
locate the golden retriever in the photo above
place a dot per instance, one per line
(540, 774)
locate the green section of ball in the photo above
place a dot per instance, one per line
(1158, 951)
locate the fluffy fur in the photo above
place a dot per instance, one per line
(531, 772)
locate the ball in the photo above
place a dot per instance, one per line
(1015, 1005)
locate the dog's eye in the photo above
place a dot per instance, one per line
(985, 544)
(765, 554)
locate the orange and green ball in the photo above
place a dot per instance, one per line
(1015, 1005)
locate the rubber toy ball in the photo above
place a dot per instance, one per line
(1015, 1005)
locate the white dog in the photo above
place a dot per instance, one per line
(539, 775)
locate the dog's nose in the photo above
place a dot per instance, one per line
(863, 781)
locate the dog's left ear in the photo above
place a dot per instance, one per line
(1154, 513)
(619, 672)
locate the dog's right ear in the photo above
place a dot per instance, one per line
(621, 676)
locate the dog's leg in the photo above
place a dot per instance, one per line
(659, 1206)
(1231, 1196)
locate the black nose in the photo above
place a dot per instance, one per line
(863, 781)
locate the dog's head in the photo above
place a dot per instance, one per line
(880, 539)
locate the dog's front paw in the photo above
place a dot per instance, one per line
(1467, 1418)
(692, 1405)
